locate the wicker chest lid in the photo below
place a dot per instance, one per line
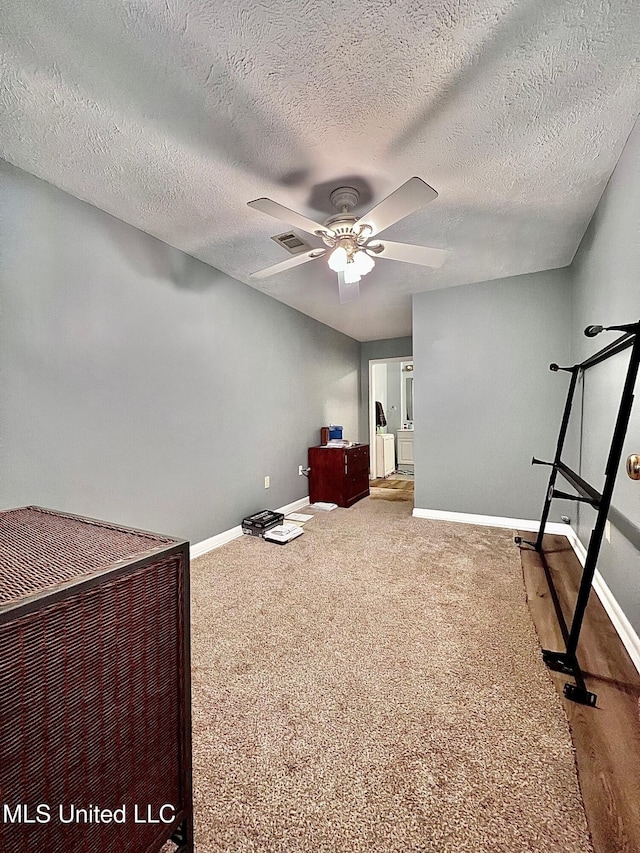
(41, 549)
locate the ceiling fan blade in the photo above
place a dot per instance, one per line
(412, 195)
(302, 258)
(422, 255)
(347, 292)
(278, 211)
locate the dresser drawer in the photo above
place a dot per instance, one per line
(357, 459)
(354, 484)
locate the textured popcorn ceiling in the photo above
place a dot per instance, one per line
(172, 114)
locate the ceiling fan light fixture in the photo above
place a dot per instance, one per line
(363, 262)
(351, 274)
(338, 259)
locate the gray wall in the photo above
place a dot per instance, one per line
(485, 400)
(144, 387)
(369, 350)
(606, 291)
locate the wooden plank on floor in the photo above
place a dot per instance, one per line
(606, 738)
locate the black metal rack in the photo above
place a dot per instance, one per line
(567, 662)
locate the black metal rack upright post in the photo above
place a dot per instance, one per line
(567, 661)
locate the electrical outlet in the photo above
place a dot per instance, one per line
(267, 482)
(300, 471)
(607, 531)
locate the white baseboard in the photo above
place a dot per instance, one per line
(216, 541)
(624, 628)
(484, 520)
(220, 539)
(576, 544)
(295, 506)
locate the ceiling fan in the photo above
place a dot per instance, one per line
(350, 237)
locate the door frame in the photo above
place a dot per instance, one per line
(372, 411)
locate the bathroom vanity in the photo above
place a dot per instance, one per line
(405, 448)
(385, 454)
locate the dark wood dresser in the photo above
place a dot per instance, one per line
(339, 475)
(95, 721)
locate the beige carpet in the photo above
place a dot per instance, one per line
(376, 685)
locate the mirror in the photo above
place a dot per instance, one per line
(406, 394)
(408, 398)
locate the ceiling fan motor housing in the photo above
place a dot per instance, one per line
(345, 199)
(344, 231)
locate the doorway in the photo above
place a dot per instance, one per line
(386, 389)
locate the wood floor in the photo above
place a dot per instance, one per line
(392, 482)
(391, 489)
(607, 737)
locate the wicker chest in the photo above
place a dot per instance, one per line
(95, 720)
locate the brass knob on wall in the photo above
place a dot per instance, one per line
(633, 466)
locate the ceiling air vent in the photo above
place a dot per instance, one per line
(292, 243)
